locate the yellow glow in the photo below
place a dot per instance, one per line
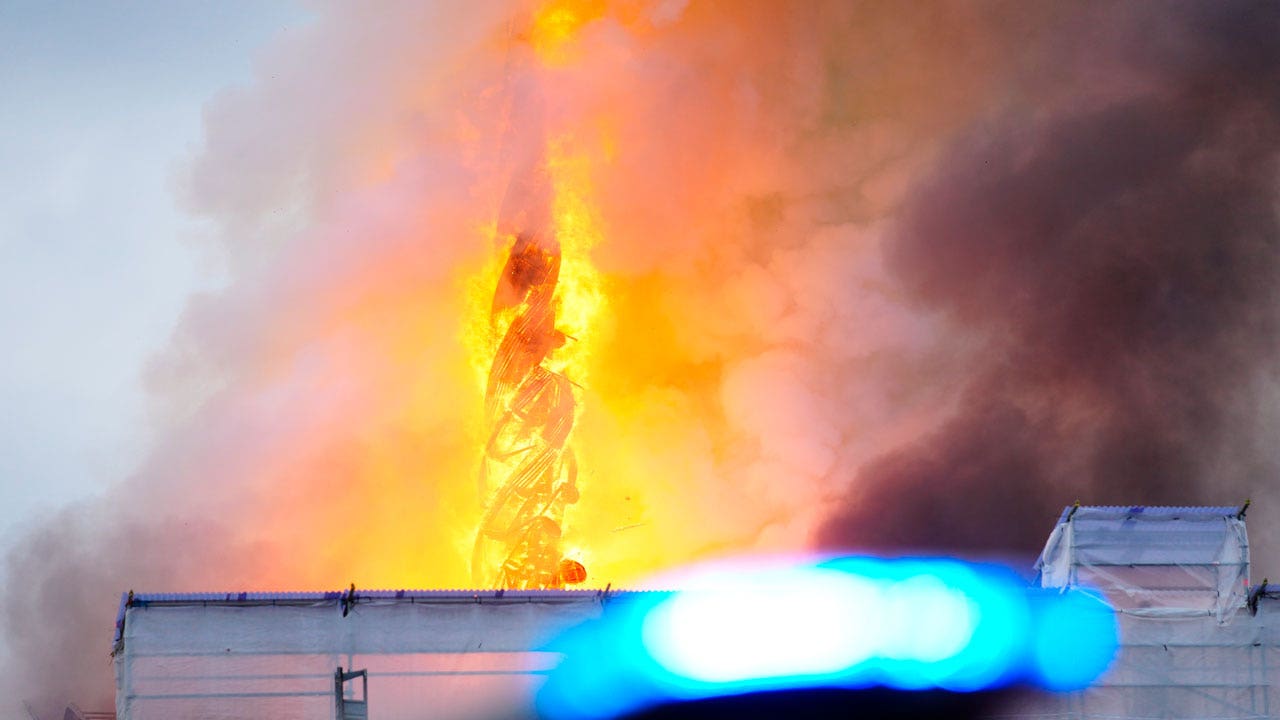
(580, 303)
(485, 332)
(580, 294)
(580, 299)
(628, 465)
(556, 25)
(387, 369)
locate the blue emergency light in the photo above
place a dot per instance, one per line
(905, 624)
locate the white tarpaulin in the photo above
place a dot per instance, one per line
(1181, 667)
(1195, 642)
(428, 655)
(1153, 560)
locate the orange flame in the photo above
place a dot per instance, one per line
(675, 462)
(547, 293)
(539, 326)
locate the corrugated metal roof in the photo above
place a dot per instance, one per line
(1154, 511)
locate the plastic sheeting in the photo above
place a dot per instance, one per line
(431, 655)
(1192, 644)
(1179, 667)
(1155, 561)
(462, 656)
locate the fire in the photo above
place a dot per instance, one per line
(649, 354)
(556, 24)
(528, 472)
(546, 296)
(588, 474)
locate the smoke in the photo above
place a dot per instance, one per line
(308, 422)
(1113, 251)
(874, 275)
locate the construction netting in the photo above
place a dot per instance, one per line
(427, 655)
(1194, 641)
(1180, 667)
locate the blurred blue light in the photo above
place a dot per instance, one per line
(849, 622)
(1075, 642)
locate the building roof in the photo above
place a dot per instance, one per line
(353, 596)
(1175, 512)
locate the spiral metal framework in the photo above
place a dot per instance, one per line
(528, 474)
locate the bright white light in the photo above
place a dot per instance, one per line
(926, 621)
(847, 622)
(771, 624)
(805, 621)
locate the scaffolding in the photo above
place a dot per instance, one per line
(400, 655)
(1195, 640)
(1153, 561)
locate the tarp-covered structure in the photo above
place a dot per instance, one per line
(427, 654)
(1153, 561)
(1196, 641)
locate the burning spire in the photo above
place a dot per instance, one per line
(529, 473)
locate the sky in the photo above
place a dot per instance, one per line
(101, 104)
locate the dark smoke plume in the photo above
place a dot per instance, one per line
(1115, 247)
